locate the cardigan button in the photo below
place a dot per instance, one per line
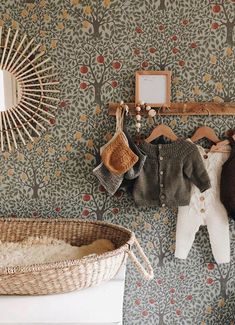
(163, 196)
(202, 198)
(161, 172)
(205, 156)
(161, 185)
(160, 146)
(161, 158)
(202, 210)
(163, 205)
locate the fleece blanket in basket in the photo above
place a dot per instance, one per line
(70, 274)
(38, 250)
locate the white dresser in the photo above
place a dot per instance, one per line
(101, 305)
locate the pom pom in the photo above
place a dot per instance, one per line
(138, 117)
(148, 108)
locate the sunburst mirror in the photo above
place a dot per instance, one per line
(28, 90)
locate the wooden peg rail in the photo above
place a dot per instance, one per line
(189, 108)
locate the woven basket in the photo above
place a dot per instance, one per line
(69, 275)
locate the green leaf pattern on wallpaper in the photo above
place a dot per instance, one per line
(96, 47)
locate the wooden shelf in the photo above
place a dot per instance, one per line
(189, 108)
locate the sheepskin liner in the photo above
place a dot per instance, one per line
(36, 250)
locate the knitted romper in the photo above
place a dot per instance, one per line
(205, 209)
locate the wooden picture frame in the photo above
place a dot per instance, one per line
(153, 88)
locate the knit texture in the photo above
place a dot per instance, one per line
(112, 182)
(205, 209)
(227, 186)
(117, 156)
(169, 169)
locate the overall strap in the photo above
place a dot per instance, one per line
(231, 141)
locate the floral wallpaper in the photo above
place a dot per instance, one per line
(96, 47)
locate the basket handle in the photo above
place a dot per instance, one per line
(148, 273)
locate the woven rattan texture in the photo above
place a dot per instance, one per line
(68, 275)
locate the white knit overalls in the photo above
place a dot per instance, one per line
(205, 209)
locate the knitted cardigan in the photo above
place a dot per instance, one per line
(227, 184)
(169, 169)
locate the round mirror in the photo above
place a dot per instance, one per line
(10, 90)
(28, 89)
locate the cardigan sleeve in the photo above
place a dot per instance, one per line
(195, 170)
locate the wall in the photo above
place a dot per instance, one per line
(96, 47)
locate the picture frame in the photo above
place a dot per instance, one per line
(153, 88)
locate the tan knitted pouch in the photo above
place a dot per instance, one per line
(116, 155)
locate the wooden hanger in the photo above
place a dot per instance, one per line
(205, 132)
(222, 146)
(159, 130)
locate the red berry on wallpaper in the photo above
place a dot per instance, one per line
(152, 50)
(144, 64)
(152, 301)
(118, 194)
(175, 50)
(115, 210)
(181, 63)
(83, 85)
(174, 38)
(137, 301)
(145, 313)
(52, 121)
(100, 59)
(85, 213)
(189, 297)
(138, 30)
(214, 25)
(172, 301)
(172, 290)
(178, 312)
(116, 65)
(161, 28)
(182, 276)
(84, 69)
(136, 51)
(86, 197)
(62, 104)
(102, 189)
(114, 84)
(216, 9)
(57, 209)
(185, 22)
(138, 284)
(193, 45)
(211, 266)
(159, 281)
(210, 281)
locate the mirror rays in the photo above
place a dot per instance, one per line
(34, 89)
